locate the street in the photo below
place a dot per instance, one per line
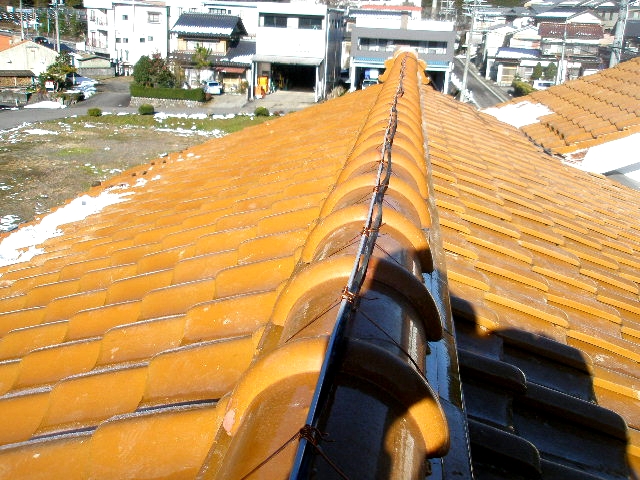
(484, 92)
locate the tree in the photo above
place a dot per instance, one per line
(58, 72)
(153, 72)
(550, 72)
(201, 59)
(537, 72)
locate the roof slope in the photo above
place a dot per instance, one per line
(182, 331)
(589, 111)
(209, 24)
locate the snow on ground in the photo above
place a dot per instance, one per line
(40, 131)
(21, 245)
(46, 104)
(519, 114)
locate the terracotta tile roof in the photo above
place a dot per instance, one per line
(589, 111)
(182, 333)
(578, 31)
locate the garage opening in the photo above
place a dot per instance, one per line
(293, 77)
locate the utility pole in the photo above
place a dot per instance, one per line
(561, 74)
(464, 95)
(55, 2)
(618, 41)
(21, 23)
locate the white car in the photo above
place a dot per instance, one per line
(213, 88)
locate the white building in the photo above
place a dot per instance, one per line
(377, 34)
(125, 30)
(297, 47)
(27, 55)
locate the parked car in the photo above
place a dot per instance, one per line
(367, 82)
(213, 88)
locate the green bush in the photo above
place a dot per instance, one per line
(261, 112)
(521, 88)
(146, 109)
(195, 94)
(94, 112)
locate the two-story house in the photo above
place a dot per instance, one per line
(125, 30)
(573, 45)
(221, 36)
(378, 33)
(297, 47)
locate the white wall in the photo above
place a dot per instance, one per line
(291, 41)
(27, 56)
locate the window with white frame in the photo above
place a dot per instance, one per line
(270, 20)
(310, 23)
(153, 17)
(125, 17)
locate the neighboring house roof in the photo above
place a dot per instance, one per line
(207, 24)
(16, 73)
(243, 52)
(180, 325)
(517, 53)
(632, 28)
(583, 113)
(582, 31)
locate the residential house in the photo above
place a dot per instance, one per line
(573, 45)
(631, 44)
(297, 47)
(94, 66)
(507, 64)
(123, 31)
(220, 320)
(27, 55)
(16, 79)
(376, 34)
(492, 39)
(222, 36)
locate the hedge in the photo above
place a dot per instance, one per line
(195, 94)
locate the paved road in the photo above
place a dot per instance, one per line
(113, 93)
(485, 93)
(113, 96)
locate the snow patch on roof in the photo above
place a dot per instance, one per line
(519, 114)
(21, 245)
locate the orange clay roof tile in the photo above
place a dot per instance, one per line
(609, 106)
(180, 333)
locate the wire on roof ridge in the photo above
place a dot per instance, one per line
(351, 291)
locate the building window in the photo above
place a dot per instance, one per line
(118, 40)
(125, 40)
(310, 23)
(125, 17)
(150, 39)
(142, 39)
(277, 21)
(220, 11)
(153, 17)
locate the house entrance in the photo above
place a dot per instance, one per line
(293, 77)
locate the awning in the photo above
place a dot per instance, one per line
(231, 69)
(305, 61)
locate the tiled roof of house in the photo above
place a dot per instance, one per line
(577, 31)
(589, 111)
(207, 24)
(183, 331)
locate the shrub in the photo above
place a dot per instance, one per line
(146, 109)
(195, 94)
(261, 112)
(521, 88)
(94, 112)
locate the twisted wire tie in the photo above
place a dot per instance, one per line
(349, 296)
